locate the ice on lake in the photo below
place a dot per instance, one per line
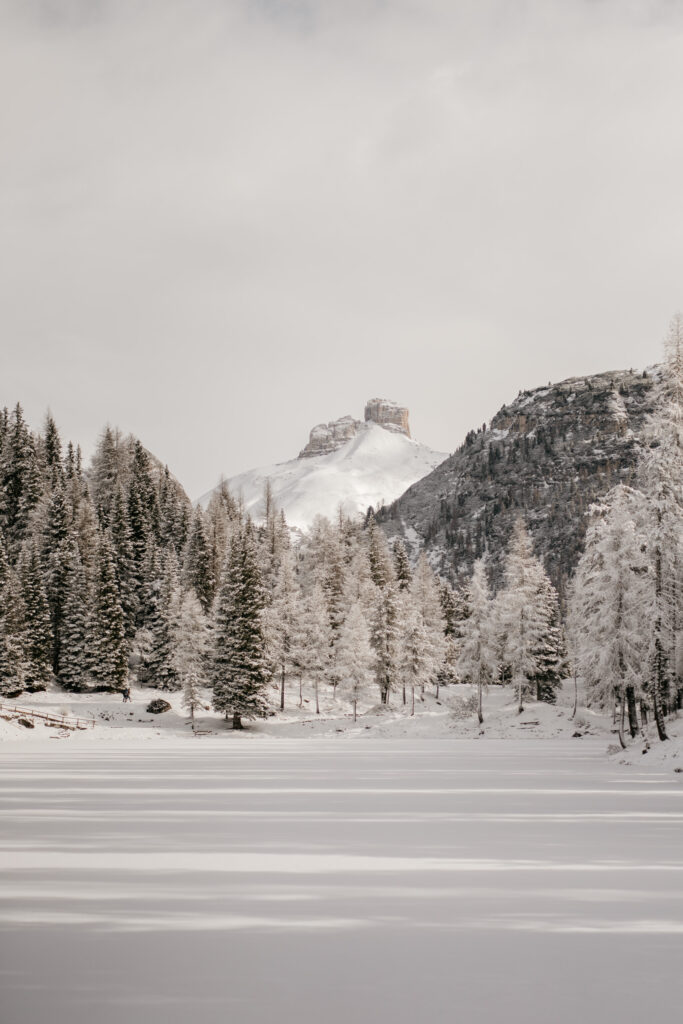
(336, 880)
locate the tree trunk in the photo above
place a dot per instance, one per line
(354, 710)
(412, 709)
(632, 715)
(622, 715)
(192, 715)
(480, 714)
(437, 687)
(520, 705)
(576, 697)
(404, 694)
(317, 703)
(643, 713)
(236, 720)
(659, 666)
(282, 689)
(301, 692)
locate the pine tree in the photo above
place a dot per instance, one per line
(37, 632)
(198, 570)
(76, 635)
(109, 648)
(160, 668)
(239, 661)
(56, 552)
(522, 613)
(402, 569)
(20, 483)
(12, 624)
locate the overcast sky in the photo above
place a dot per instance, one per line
(223, 222)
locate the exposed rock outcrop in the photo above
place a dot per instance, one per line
(328, 437)
(547, 456)
(388, 415)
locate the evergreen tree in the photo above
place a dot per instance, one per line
(402, 569)
(20, 483)
(56, 553)
(198, 570)
(75, 658)
(160, 667)
(37, 632)
(12, 623)
(109, 648)
(239, 661)
(523, 613)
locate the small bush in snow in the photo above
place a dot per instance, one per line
(465, 707)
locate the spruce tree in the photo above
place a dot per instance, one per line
(37, 632)
(75, 657)
(239, 663)
(198, 571)
(109, 648)
(160, 668)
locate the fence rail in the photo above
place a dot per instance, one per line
(61, 721)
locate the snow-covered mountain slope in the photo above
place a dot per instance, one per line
(372, 466)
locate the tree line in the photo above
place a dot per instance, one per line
(108, 574)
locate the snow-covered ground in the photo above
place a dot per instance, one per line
(116, 723)
(313, 880)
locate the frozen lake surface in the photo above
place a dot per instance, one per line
(324, 881)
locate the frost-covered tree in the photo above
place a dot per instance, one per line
(416, 661)
(477, 661)
(37, 632)
(239, 663)
(109, 663)
(607, 629)
(425, 599)
(160, 669)
(283, 621)
(355, 657)
(76, 634)
(524, 614)
(198, 569)
(314, 642)
(191, 641)
(385, 626)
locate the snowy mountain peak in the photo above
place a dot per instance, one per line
(326, 438)
(347, 462)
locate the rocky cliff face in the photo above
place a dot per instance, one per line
(329, 437)
(388, 415)
(547, 456)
